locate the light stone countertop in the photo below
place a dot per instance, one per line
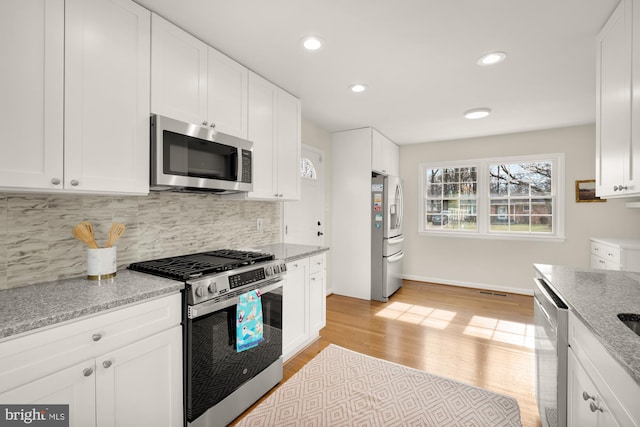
(30, 307)
(596, 297)
(290, 252)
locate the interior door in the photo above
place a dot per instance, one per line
(303, 220)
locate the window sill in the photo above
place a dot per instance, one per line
(492, 236)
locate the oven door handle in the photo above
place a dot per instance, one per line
(199, 310)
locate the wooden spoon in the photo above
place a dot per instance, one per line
(84, 233)
(116, 231)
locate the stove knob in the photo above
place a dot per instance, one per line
(283, 268)
(268, 271)
(200, 291)
(212, 287)
(276, 269)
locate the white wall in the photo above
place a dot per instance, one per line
(506, 264)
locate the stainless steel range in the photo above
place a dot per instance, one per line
(227, 367)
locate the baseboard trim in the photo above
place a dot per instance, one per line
(482, 286)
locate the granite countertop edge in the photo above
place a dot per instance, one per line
(26, 309)
(601, 319)
(288, 252)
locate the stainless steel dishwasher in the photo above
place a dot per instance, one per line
(551, 346)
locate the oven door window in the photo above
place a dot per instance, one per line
(188, 156)
(215, 369)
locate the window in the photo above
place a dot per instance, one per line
(519, 197)
(307, 169)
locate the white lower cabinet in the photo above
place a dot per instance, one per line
(586, 407)
(622, 254)
(600, 392)
(75, 386)
(304, 304)
(122, 368)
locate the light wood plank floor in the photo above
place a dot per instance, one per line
(483, 339)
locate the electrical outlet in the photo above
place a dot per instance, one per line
(259, 224)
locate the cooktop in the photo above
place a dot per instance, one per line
(191, 266)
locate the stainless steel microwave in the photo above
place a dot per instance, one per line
(189, 157)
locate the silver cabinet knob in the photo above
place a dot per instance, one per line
(213, 125)
(75, 182)
(107, 363)
(595, 407)
(586, 396)
(619, 187)
(96, 337)
(204, 123)
(87, 372)
(55, 181)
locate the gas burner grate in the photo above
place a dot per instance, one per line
(186, 267)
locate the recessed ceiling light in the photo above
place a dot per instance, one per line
(492, 58)
(477, 113)
(312, 43)
(358, 88)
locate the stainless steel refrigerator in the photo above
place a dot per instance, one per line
(386, 236)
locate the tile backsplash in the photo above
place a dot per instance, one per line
(36, 244)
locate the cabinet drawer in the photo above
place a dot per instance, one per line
(609, 253)
(603, 264)
(317, 263)
(35, 355)
(616, 387)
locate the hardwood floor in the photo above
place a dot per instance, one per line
(483, 339)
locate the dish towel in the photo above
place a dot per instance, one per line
(249, 325)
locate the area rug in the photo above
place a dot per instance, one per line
(340, 387)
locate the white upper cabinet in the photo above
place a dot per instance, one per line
(227, 88)
(617, 121)
(179, 73)
(274, 129)
(77, 115)
(32, 84)
(263, 101)
(385, 155)
(107, 72)
(289, 147)
(195, 83)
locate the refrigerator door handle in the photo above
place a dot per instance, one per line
(400, 198)
(396, 257)
(395, 240)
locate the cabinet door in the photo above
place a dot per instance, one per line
(74, 386)
(141, 384)
(384, 154)
(107, 48)
(585, 407)
(263, 97)
(31, 83)
(317, 301)
(295, 326)
(289, 146)
(227, 94)
(179, 73)
(613, 113)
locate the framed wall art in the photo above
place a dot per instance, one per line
(586, 191)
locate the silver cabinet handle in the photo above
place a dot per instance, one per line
(96, 337)
(107, 363)
(55, 181)
(586, 396)
(87, 372)
(595, 407)
(75, 182)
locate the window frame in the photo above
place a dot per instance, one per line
(483, 198)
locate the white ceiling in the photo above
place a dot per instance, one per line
(418, 58)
